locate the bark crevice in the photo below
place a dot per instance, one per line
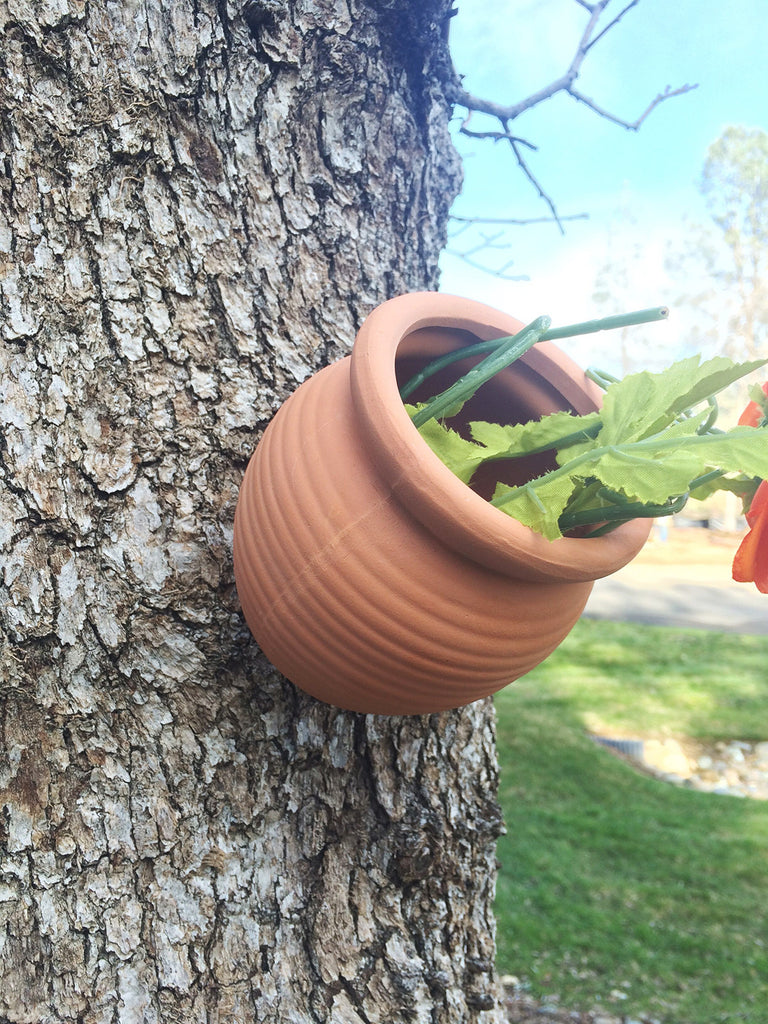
(201, 203)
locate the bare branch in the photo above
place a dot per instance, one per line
(496, 136)
(488, 242)
(510, 112)
(564, 82)
(610, 24)
(501, 272)
(534, 181)
(634, 125)
(506, 113)
(514, 142)
(596, 11)
(515, 221)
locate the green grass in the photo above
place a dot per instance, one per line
(612, 882)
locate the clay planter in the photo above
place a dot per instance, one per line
(369, 574)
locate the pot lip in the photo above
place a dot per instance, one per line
(432, 493)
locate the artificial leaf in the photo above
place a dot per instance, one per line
(644, 478)
(462, 457)
(538, 504)
(654, 470)
(554, 431)
(643, 450)
(645, 403)
(681, 428)
(633, 405)
(741, 450)
(743, 487)
(649, 472)
(713, 377)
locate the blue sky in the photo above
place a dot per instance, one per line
(510, 48)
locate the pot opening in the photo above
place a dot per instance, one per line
(516, 395)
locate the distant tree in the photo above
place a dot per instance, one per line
(734, 184)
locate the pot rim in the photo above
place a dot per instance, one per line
(448, 508)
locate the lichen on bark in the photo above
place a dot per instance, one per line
(201, 203)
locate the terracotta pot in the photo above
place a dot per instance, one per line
(369, 574)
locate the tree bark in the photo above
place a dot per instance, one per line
(201, 202)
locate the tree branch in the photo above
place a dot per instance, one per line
(610, 24)
(506, 113)
(515, 221)
(500, 273)
(496, 136)
(668, 93)
(488, 242)
(564, 82)
(535, 182)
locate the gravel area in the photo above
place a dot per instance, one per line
(734, 768)
(521, 1009)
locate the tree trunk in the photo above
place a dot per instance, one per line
(201, 202)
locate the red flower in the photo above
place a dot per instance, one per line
(753, 414)
(751, 562)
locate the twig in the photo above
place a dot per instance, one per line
(535, 182)
(491, 242)
(610, 24)
(496, 136)
(515, 221)
(488, 242)
(500, 273)
(506, 113)
(634, 125)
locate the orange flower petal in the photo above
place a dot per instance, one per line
(753, 414)
(759, 504)
(750, 564)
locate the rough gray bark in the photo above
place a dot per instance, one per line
(201, 201)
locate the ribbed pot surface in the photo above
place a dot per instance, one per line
(358, 601)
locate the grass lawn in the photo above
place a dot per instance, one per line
(615, 889)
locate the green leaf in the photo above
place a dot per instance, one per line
(642, 449)
(680, 429)
(555, 431)
(462, 457)
(659, 468)
(538, 504)
(649, 471)
(741, 450)
(743, 487)
(643, 477)
(645, 403)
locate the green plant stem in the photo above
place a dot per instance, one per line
(714, 410)
(705, 479)
(602, 378)
(654, 443)
(622, 511)
(511, 348)
(607, 323)
(578, 437)
(615, 515)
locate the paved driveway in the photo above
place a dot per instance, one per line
(685, 582)
(685, 605)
